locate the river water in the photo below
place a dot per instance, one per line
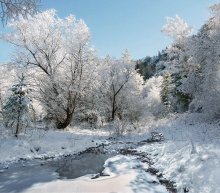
(24, 174)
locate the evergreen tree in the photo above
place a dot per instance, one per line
(165, 91)
(16, 109)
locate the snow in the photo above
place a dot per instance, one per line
(98, 90)
(190, 155)
(38, 143)
(126, 175)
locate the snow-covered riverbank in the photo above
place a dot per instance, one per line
(38, 143)
(189, 156)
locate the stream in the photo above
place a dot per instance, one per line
(26, 173)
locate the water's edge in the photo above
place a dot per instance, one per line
(23, 174)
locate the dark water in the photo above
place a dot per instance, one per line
(23, 175)
(88, 163)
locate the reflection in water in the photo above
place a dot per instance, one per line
(21, 176)
(88, 163)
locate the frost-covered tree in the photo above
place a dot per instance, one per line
(7, 79)
(12, 9)
(176, 28)
(58, 51)
(119, 93)
(179, 31)
(16, 109)
(195, 65)
(152, 96)
(177, 63)
(203, 79)
(166, 91)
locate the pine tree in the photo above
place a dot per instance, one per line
(16, 109)
(165, 92)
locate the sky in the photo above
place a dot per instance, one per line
(117, 25)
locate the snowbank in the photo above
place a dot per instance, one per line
(38, 143)
(190, 155)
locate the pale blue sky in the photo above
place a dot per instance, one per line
(133, 24)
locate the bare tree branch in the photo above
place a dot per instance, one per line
(12, 9)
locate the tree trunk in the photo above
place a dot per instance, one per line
(66, 122)
(18, 124)
(19, 116)
(113, 108)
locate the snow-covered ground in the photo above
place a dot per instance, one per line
(38, 143)
(195, 171)
(189, 156)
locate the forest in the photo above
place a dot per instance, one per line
(156, 118)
